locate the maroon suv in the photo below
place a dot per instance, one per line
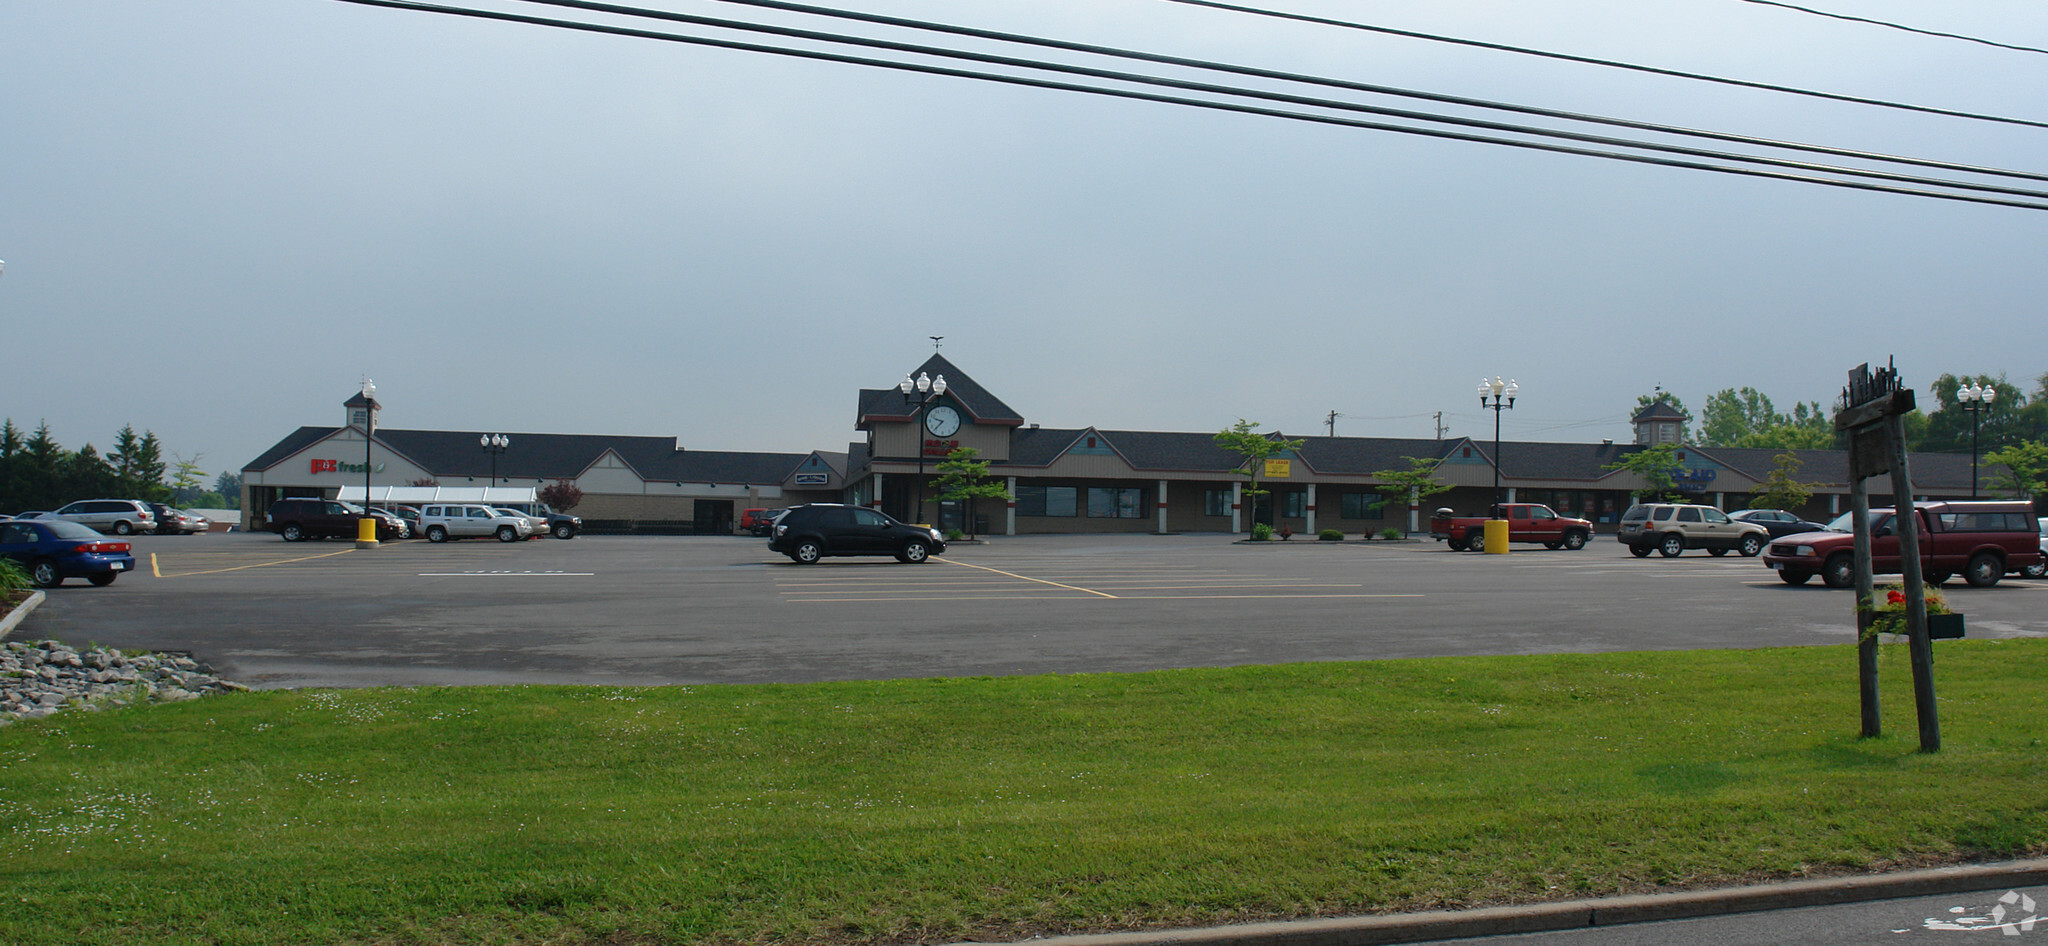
(1979, 540)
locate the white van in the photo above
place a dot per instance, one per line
(444, 521)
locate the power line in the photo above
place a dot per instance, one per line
(1613, 64)
(790, 6)
(1032, 82)
(1897, 26)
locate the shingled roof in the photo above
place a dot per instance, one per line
(450, 453)
(889, 404)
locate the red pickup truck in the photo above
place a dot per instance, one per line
(1527, 522)
(1979, 540)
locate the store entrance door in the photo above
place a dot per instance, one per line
(714, 517)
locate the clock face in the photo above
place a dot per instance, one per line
(942, 421)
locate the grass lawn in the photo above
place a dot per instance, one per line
(937, 810)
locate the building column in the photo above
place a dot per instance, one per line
(1834, 504)
(1414, 514)
(876, 500)
(1010, 508)
(1162, 507)
(1309, 526)
(1721, 501)
(1511, 495)
(1236, 506)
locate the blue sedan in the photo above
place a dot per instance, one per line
(54, 549)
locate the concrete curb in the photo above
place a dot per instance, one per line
(1575, 914)
(19, 614)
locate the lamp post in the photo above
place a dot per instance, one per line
(493, 444)
(928, 390)
(1976, 399)
(1499, 396)
(366, 528)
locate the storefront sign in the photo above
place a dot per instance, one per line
(940, 448)
(1693, 481)
(1279, 469)
(812, 479)
(336, 466)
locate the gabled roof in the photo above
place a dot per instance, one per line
(449, 453)
(1657, 410)
(889, 404)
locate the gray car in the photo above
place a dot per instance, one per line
(111, 516)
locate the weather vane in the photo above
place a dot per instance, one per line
(935, 341)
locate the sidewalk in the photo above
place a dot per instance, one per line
(1575, 914)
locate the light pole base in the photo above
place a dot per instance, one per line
(366, 533)
(1496, 537)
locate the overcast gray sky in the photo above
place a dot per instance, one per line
(218, 215)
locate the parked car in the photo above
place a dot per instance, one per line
(1527, 522)
(445, 521)
(538, 524)
(759, 522)
(31, 514)
(1670, 528)
(1979, 540)
(52, 550)
(2040, 568)
(812, 531)
(561, 525)
(171, 520)
(115, 516)
(408, 515)
(300, 519)
(1777, 521)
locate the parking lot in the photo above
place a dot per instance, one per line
(661, 610)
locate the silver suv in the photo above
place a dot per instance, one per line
(117, 516)
(1671, 528)
(444, 521)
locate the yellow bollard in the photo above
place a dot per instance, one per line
(366, 533)
(1496, 537)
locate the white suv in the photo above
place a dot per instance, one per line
(444, 521)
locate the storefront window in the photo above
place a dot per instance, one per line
(1115, 503)
(1363, 506)
(1216, 502)
(1046, 500)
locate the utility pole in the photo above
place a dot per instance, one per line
(1331, 421)
(1441, 430)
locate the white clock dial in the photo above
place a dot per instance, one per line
(942, 421)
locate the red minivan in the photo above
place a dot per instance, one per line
(1979, 540)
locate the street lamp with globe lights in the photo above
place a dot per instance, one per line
(1497, 396)
(1976, 399)
(493, 444)
(928, 389)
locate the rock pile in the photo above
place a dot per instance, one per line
(41, 678)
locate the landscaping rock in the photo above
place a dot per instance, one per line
(47, 676)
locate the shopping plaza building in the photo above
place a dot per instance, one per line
(1061, 480)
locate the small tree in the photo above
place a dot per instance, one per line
(1416, 483)
(2026, 469)
(1782, 489)
(561, 495)
(961, 476)
(1243, 439)
(1658, 466)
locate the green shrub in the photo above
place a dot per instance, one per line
(1390, 533)
(1262, 532)
(12, 577)
(954, 535)
(1330, 535)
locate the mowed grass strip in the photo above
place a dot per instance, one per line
(998, 808)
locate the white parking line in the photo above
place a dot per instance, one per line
(506, 574)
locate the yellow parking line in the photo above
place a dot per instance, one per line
(215, 571)
(1041, 581)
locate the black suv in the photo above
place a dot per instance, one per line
(300, 519)
(809, 532)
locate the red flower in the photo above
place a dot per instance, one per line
(1896, 597)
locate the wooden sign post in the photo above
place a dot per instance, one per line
(1873, 413)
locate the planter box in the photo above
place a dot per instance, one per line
(1944, 627)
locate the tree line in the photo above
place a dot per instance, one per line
(2010, 433)
(38, 473)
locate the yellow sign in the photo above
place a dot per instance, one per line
(1279, 469)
